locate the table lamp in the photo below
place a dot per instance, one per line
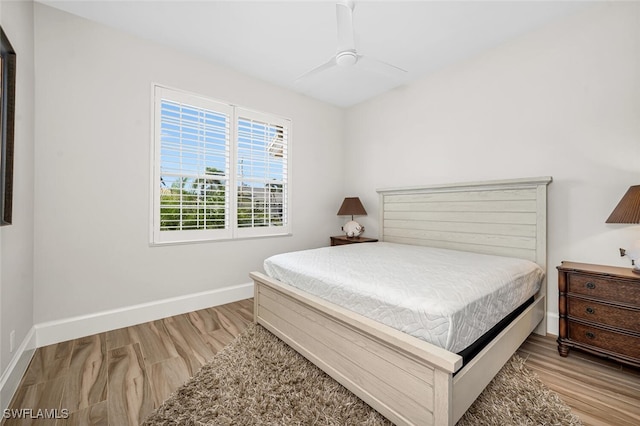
(628, 211)
(351, 206)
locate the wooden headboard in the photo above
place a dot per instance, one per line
(505, 217)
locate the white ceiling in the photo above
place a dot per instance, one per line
(279, 41)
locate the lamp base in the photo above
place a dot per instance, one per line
(634, 255)
(353, 229)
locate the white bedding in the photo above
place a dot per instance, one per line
(445, 297)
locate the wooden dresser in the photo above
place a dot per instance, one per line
(599, 309)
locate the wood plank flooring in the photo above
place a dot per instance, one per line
(117, 378)
(599, 391)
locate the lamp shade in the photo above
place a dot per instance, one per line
(628, 209)
(351, 206)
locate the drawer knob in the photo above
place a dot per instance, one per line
(590, 310)
(591, 285)
(590, 335)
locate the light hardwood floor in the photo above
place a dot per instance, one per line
(599, 391)
(119, 377)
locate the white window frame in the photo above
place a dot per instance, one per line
(232, 230)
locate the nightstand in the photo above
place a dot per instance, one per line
(341, 240)
(599, 310)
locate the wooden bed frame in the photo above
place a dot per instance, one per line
(408, 380)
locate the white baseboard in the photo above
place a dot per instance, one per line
(85, 325)
(553, 323)
(11, 377)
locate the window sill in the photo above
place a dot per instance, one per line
(218, 240)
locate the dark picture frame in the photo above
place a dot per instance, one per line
(7, 124)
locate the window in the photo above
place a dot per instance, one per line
(220, 171)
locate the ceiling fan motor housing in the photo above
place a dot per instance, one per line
(346, 58)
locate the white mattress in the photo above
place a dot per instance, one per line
(445, 297)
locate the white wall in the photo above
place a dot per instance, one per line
(563, 101)
(93, 90)
(16, 240)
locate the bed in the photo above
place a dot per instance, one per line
(405, 378)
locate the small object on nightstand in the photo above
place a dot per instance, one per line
(341, 240)
(599, 311)
(634, 255)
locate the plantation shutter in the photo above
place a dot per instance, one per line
(262, 173)
(194, 167)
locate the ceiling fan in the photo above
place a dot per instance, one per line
(346, 54)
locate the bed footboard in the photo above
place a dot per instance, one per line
(407, 380)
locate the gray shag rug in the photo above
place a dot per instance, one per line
(258, 380)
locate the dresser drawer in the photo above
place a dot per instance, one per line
(608, 340)
(615, 290)
(628, 319)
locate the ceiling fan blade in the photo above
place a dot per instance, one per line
(380, 67)
(344, 14)
(317, 70)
